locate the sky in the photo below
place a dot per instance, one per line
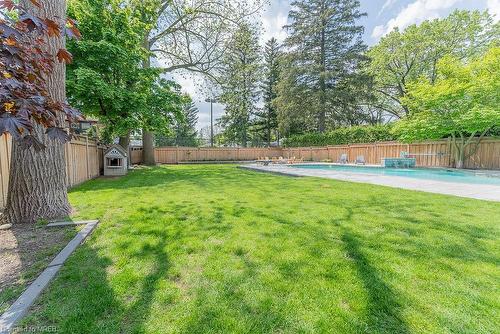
(382, 17)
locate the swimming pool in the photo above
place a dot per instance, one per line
(437, 174)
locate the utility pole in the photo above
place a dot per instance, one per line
(212, 101)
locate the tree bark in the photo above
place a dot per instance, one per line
(148, 153)
(37, 184)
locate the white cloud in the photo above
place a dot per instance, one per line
(387, 4)
(494, 8)
(378, 31)
(273, 27)
(415, 12)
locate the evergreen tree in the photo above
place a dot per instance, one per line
(266, 122)
(183, 132)
(240, 84)
(320, 77)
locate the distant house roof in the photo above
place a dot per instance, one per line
(135, 142)
(115, 151)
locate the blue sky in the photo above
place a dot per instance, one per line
(383, 16)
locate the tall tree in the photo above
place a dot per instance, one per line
(266, 121)
(106, 80)
(401, 58)
(320, 72)
(34, 109)
(186, 134)
(183, 131)
(241, 76)
(188, 35)
(462, 104)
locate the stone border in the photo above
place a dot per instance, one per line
(72, 223)
(21, 306)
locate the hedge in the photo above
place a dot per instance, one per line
(342, 136)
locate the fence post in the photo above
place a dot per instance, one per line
(87, 156)
(67, 149)
(176, 154)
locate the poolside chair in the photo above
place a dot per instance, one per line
(360, 160)
(343, 158)
(265, 161)
(282, 161)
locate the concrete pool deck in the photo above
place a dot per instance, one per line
(477, 191)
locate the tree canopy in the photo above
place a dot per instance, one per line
(403, 57)
(107, 80)
(320, 69)
(265, 124)
(462, 103)
(240, 85)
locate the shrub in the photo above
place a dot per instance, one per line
(343, 136)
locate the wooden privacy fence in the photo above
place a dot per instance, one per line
(427, 154)
(172, 155)
(83, 162)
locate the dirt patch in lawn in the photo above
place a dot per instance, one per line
(25, 251)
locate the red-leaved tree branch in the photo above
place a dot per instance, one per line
(24, 67)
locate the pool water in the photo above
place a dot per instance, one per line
(437, 174)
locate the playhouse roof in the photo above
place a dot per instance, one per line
(115, 151)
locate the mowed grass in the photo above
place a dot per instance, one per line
(217, 249)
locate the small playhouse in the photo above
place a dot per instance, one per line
(115, 161)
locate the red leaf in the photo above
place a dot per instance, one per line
(58, 134)
(36, 3)
(8, 4)
(53, 28)
(64, 56)
(33, 22)
(72, 30)
(14, 125)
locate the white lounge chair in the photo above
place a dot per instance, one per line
(343, 158)
(360, 160)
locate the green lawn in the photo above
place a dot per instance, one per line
(216, 249)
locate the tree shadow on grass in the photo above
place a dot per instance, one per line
(383, 309)
(80, 299)
(136, 315)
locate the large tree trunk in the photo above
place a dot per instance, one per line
(148, 149)
(459, 151)
(37, 184)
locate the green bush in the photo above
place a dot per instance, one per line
(342, 136)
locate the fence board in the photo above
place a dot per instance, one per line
(427, 154)
(83, 162)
